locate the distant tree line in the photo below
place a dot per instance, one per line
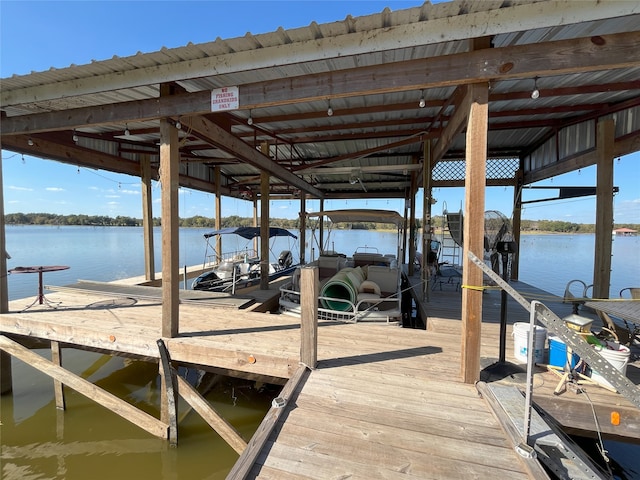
(198, 221)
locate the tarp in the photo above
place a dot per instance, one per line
(250, 232)
(361, 215)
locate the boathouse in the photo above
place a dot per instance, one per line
(390, 105)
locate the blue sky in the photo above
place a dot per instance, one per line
(36, 36)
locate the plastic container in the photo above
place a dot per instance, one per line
(618, 357)
(520, 342)
(558, 353)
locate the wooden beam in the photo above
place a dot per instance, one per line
(495, 64)
(78, 156)
(455, 125)
(413, 191)
(303, 227)
(88, 389)
(264, 225)
(6, 381)
(309, 291)
(427, 195)
(521, 61)
(169, 167)
(211, 415)
(604, 209)
(516, 224)
(218, 206)
(58, 388)
(168, 393)
(147, 218)
(624, 146)
(216, 135)
(473, 233)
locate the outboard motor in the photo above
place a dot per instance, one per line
(285, 260)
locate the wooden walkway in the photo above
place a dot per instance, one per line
(383, 402)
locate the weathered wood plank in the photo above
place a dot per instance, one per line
(211, 415)
(246, 461)
(58, 388)
(309, 292)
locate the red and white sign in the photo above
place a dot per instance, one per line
(226, 98)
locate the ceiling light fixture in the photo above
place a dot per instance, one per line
(422, 103)
(178, 125)
(75, 137)
(30, 142)
(329, 110)
(126, 130)
(535, 93)
(250, 119)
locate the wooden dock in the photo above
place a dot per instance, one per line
(383, 402)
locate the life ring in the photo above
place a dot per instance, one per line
(369, 286)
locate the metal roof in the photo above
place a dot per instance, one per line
(374, 140)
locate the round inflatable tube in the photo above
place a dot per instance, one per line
(342, 286)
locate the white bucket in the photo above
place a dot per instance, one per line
(521, 340)
(619, 358)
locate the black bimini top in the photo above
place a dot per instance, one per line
(250, 232)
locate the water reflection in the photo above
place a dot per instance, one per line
(42, 442)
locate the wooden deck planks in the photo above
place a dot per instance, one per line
(384, 402)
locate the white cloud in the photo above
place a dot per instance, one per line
(113, 203)
(22, 189)
(112, 196)
(130, 192)
(54, 189)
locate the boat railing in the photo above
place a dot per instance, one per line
(367, 249)
(370, 309)
(213, 259)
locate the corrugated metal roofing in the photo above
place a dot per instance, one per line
(365, 130)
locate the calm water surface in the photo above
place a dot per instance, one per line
(86, 441)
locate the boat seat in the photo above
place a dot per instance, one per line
(362, 259)
(328, 265)
(386, 278)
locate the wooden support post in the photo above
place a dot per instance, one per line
(254, 204)
(475, 184)
(309, 291)
(88, 389)
(403, 259)
(426, 221)
(169, 172)
(604, 208)
(218, 219)
(517, 224)
(5, 358)
(303, 227)
(6, 380)
(412, 219)
(168, 394)
(321, 228)
(147, 217)
(264, 224)
(58, 388)
(4, 290)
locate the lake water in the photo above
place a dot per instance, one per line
(86, 441)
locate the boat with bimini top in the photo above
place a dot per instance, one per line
(238, 269)
(365, 286)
